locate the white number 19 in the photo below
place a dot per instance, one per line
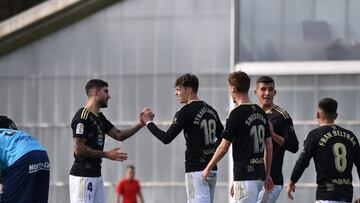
(258, 134)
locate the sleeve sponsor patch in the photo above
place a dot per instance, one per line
(79, 129)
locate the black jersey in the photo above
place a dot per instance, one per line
(334, 150)
(91, 127)
(283, 126)
(247, 128)
(202, 130)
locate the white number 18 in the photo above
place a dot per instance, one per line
(209, 127)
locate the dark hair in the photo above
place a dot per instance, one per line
(265, 79)
(95, 83)
(188, 80)
(130, 167)
(240, 80)
(6, 122)
(329, 107)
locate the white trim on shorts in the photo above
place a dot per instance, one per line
(86, 189)
(247, 191)
(197, 189)
(269, 197)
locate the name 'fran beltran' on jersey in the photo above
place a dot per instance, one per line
(334, 150)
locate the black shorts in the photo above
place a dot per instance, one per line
(27, 180)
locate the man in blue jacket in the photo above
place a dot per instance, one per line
(25, 165)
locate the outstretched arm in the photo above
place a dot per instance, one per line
(165, 137)
(122, 135)
(83, 151)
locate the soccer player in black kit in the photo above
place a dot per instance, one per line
(89, 127)
(247, 129)
(202, 129)
(282, 134)
(334, 150)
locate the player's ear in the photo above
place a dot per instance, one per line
(335, 116)
(92, 92)
(97, 91)
(232, 89)
(189, 90)
(318, 115)
(275, 92)
(256, 88)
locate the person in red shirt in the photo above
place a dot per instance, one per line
(128, 188)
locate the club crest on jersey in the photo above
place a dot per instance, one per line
(80, 129)
(100, 140)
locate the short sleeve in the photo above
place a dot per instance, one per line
(119, 187)
(80, 128)
(291, 142)
(107, 124)
(230, 128)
